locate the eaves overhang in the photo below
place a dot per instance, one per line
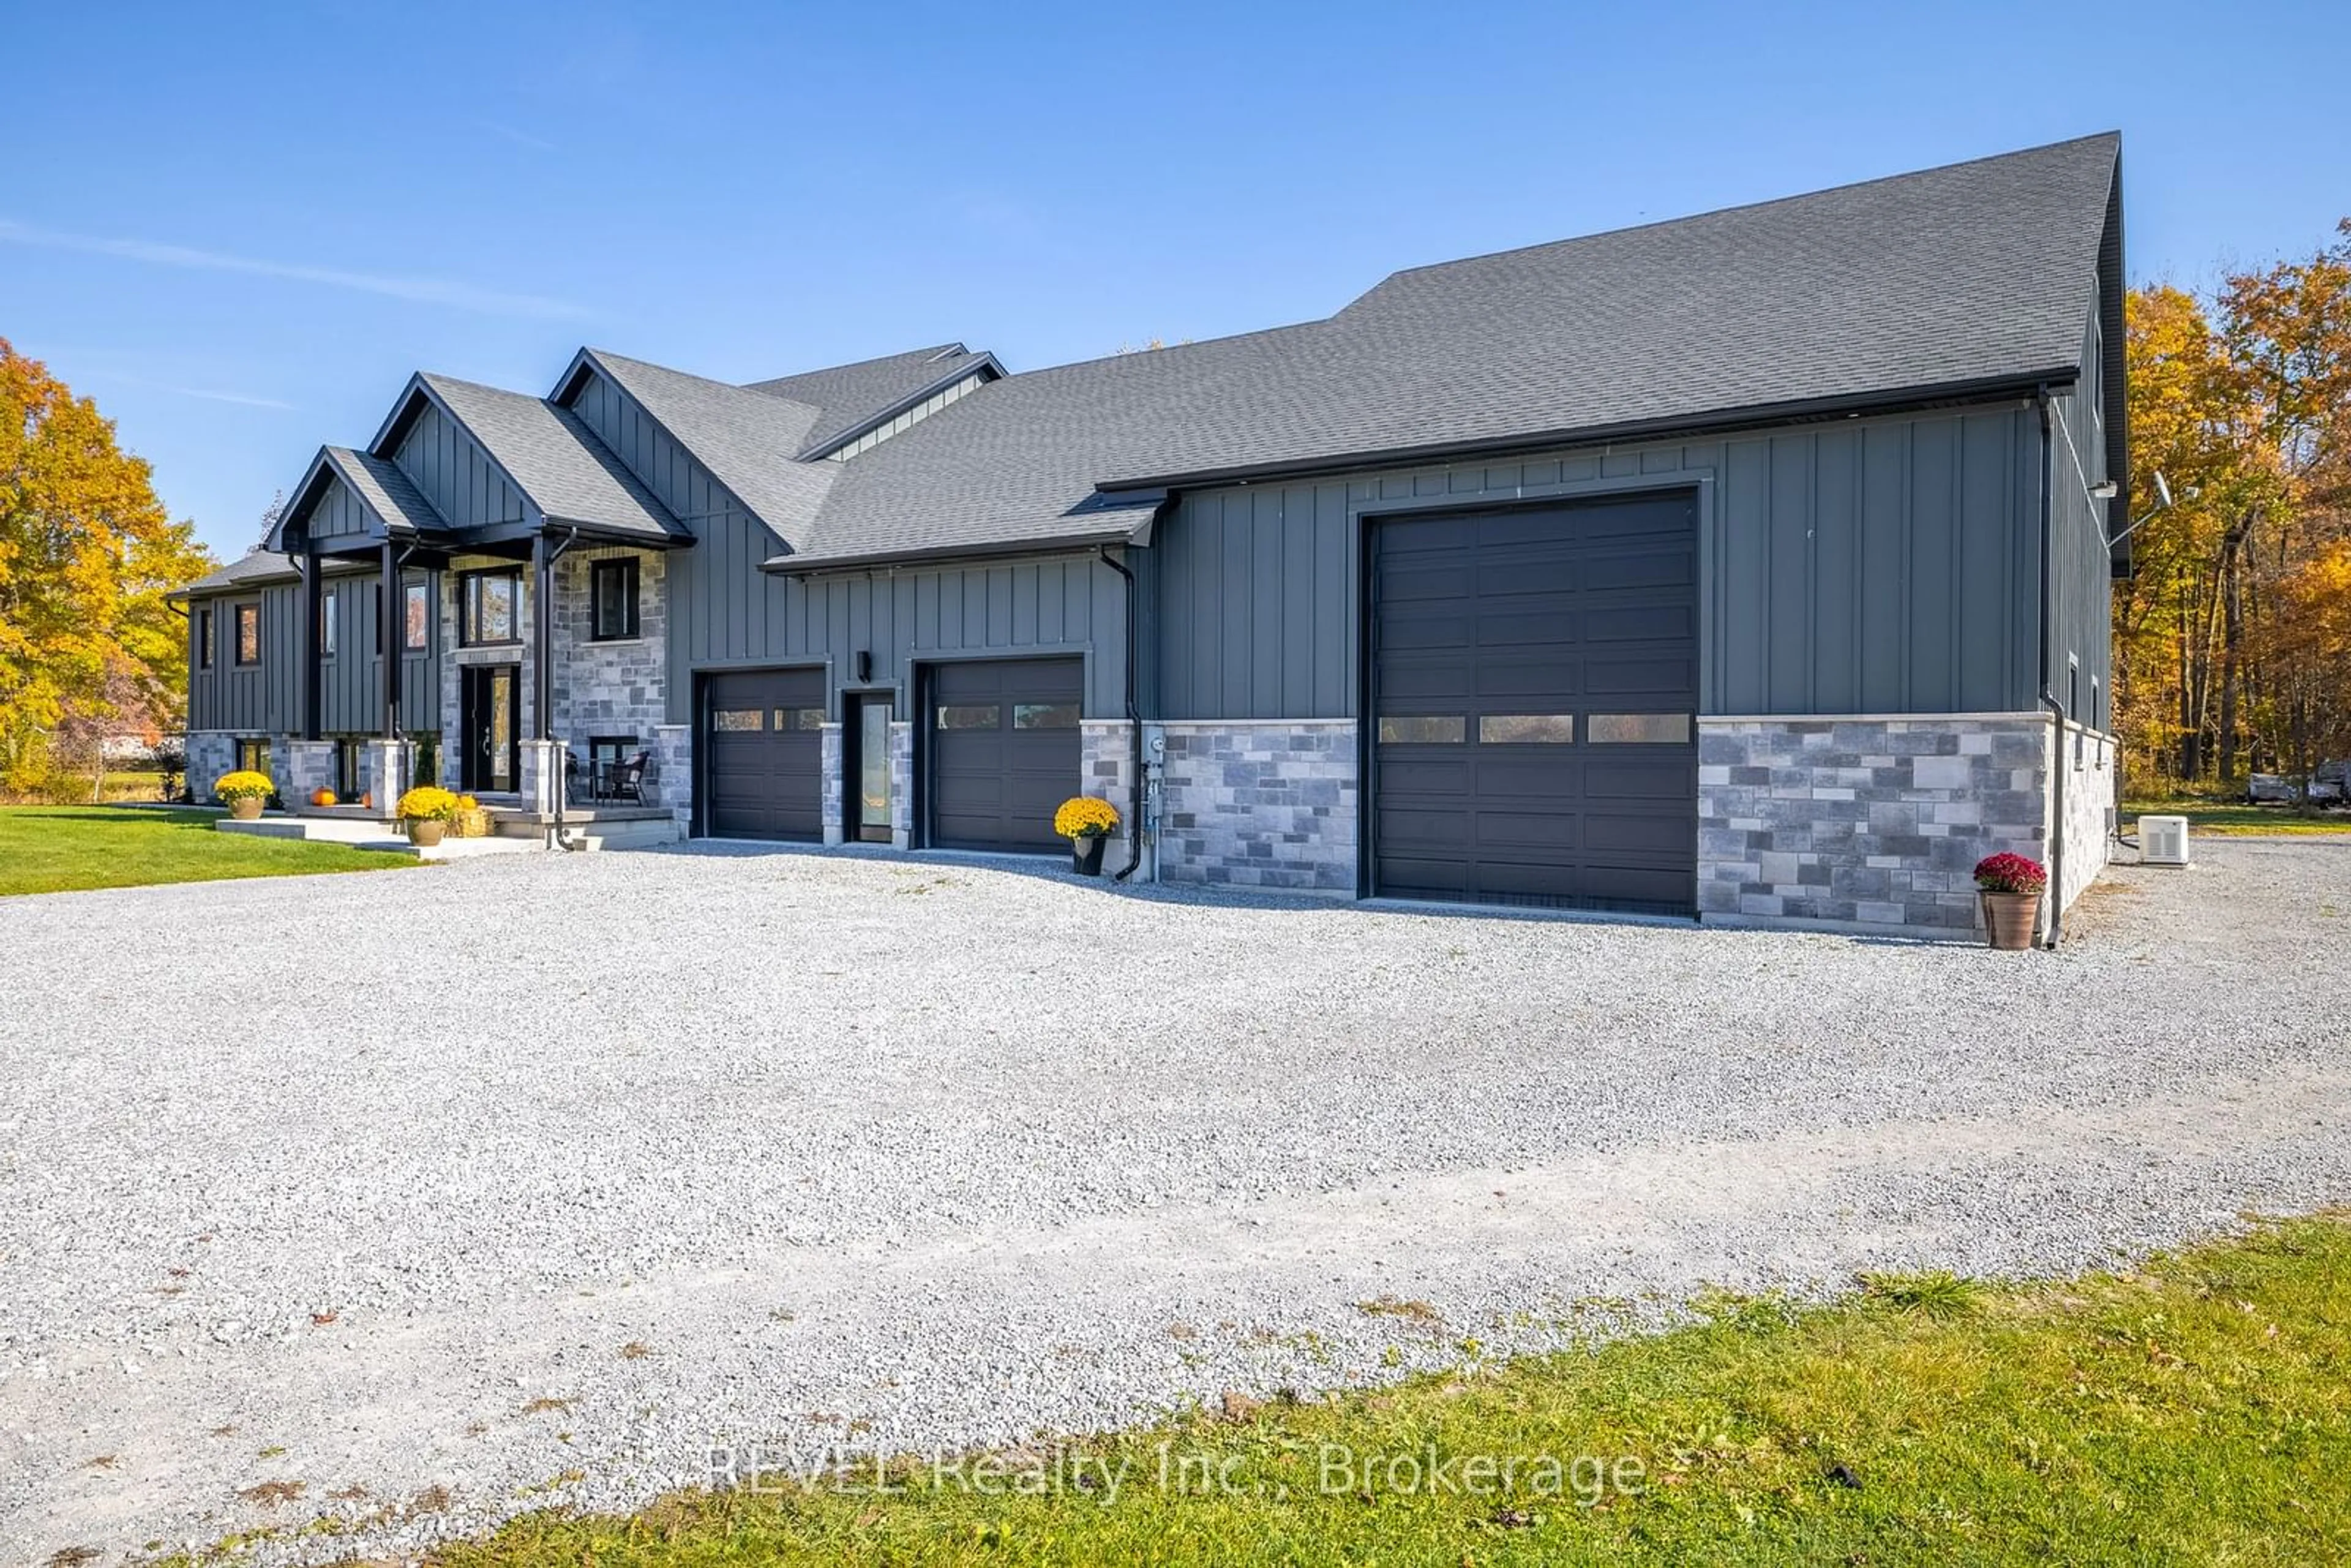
(1723, 421)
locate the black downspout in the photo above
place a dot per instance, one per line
(2049, 696)
(1134, 720)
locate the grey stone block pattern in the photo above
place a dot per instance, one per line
(902, 784)
(211, 753)
(303, 768)
(616, 689)
(829, 764)
(1260, 805)
(2090, 760)
(670, 780)
(1106, 770)
(1875, 822)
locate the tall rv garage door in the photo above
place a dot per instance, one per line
(1535, 691)
(1005, 751)
(763, 754)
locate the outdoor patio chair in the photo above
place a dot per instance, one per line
(626, 780)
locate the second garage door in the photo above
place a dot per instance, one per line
(1535, 688)
(763, 764)
(1005, 751)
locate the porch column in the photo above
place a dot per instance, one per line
(391, 646)
(542, 637)
(314, 614)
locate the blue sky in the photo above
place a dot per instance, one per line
(240, 237)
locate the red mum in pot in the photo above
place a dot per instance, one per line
(2007, 872)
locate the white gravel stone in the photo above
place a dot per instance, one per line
(919, 1151)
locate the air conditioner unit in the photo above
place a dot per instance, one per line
(2163, 840)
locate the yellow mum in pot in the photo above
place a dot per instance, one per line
(1085, 817)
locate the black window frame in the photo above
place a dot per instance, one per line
(468, 608)
(424, 635)
(237, 624)
(203, 636)
(632, 585)
(253, 756)
(331, 623)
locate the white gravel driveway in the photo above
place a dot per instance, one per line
(330, 1180)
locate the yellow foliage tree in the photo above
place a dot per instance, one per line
(88, 645)
(2243, 401)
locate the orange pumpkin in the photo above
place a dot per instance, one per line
(322, 797)
(367, 802)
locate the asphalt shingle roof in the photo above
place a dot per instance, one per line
(559, 463)
(385, 490)
(847, 396)
(1965, 275)
(745, 438)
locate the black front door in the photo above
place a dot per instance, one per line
(489, 716)
(865, 754)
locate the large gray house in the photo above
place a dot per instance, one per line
(1751, 567)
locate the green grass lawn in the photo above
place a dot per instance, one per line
(2237, 820)
(57, 849)
(2196, 1412)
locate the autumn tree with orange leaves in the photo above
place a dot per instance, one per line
(88, 646)
(2231, 634)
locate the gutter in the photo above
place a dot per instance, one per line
(1895, 399)
(1070, 544)
(1134, 722)
(2049, 697)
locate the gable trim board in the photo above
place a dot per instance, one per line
(1866, 486)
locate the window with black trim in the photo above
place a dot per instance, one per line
(613, 593)
(248, 633)
(489, 608)
(253, 756)
(416, 617)
(204, 638)
(329, 621)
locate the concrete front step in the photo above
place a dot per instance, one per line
(361, 834)
(514, 834)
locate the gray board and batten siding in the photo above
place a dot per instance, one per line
(267, 698)
(1866, 565)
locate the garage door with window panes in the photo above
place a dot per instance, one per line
(1534, 689)
(763, 758)
(1005, 744)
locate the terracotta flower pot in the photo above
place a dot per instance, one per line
(2010, 919)
(425, 832)
(1086, 854)
(245, 808)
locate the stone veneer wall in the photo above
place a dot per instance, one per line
(2090, 760)
(617, 687)
(1106, 770)
(1260, 804)
(303, 768)
(211, 753)
(902, 784)
(670, 780)
(832, 814)
(1869, 821)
